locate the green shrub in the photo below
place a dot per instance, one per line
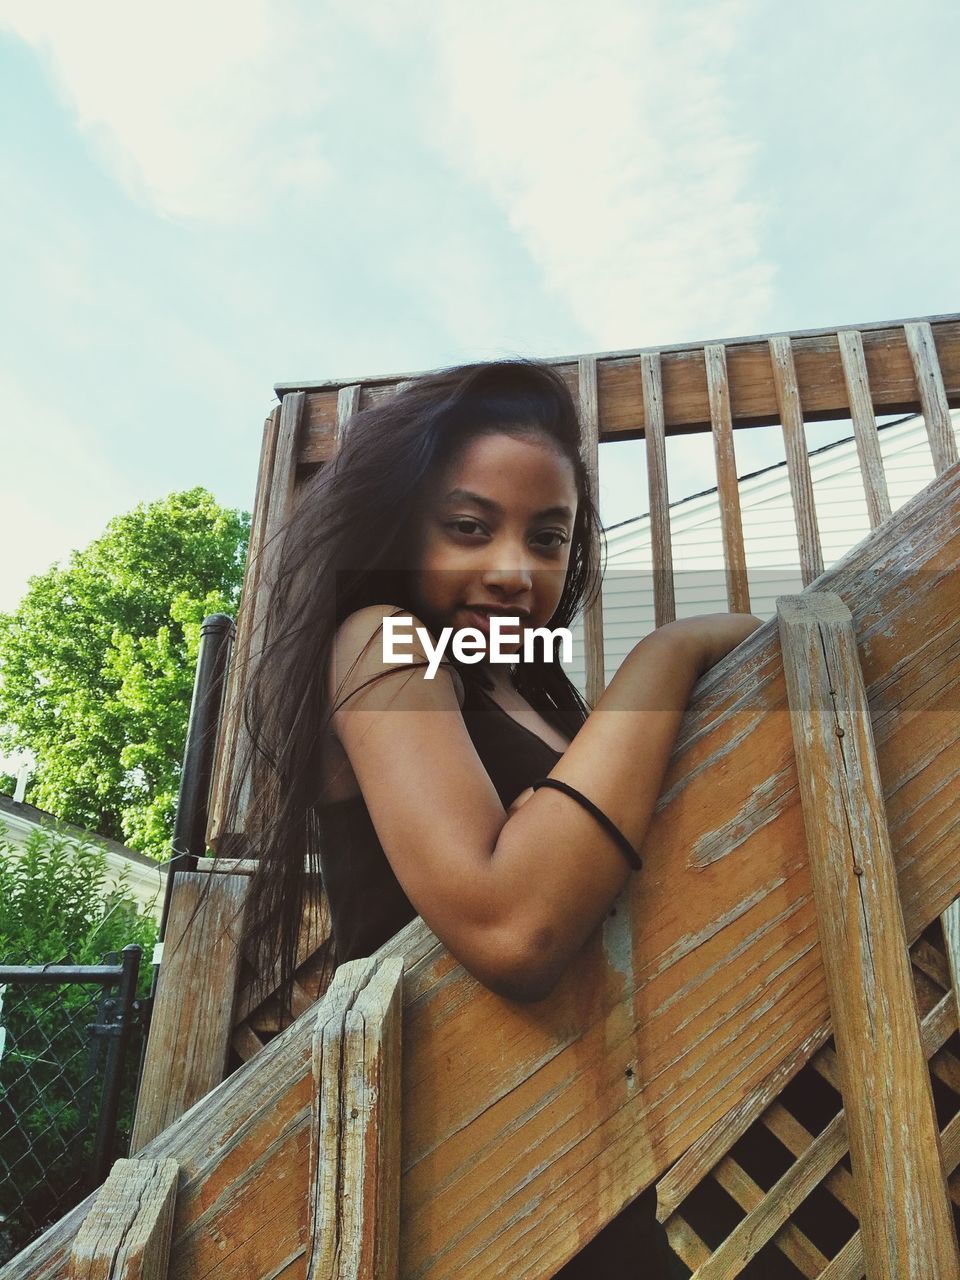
(56, 907)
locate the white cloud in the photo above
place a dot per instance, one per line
(65, 488)
(602, 130)
(201, 109)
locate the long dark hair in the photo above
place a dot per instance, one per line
(351, 543)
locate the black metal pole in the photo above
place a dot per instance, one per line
(193, 801)
(118, 1029)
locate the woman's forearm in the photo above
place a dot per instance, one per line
(637, 718)
(618, 760)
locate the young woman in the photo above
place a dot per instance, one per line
(422, 793)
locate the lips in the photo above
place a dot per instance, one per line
(480, 615)
(502, 611)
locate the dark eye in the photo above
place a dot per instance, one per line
(551, 538)
(466, 526)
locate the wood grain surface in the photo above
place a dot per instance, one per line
(798, 461)
(353, 1228)
(527, 1127)
(728, 486)
(126, 1234)
(864, 425)
(658, 495)
(819, 369)
(904, 1209)
(192, 1022)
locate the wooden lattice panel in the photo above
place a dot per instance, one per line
(258, 1014)
(769, 1194)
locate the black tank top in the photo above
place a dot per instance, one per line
(367, 906)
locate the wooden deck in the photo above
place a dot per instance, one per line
(526, 1128)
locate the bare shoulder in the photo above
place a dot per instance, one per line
(362, 630)
(360, 663)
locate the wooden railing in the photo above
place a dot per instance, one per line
(693, 1085)
(674, 1042)
(851, 373)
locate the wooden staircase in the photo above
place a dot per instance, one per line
(797, 915)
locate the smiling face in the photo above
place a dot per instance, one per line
(494, 533)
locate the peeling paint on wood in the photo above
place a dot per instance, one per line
(523, 1132)
(192, 1023)
(126, 1234)
(905, 1219)
(354, 1185)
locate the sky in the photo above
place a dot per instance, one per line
(204, 199)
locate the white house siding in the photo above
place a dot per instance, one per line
(144, 878)
(769, 538)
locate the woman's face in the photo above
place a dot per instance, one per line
(494, 533)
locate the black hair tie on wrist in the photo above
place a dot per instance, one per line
(626, 848)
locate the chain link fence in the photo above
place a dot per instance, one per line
(69, 1050)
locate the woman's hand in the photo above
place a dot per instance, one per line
(714, 635)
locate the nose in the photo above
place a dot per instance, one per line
(511, 576)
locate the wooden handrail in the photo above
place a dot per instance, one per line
(852, 372)
(526, 1128)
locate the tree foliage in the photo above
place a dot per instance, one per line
(97, 664)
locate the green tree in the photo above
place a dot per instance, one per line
(97, 664)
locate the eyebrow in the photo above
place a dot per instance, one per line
(487, 504)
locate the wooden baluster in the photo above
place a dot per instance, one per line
(593, 618)
(228, 739)
(950, 921)
(664, 601)
(348, 402)
(354, 1195)
(728, 489)
(192, 1023)
(933, 397)
(905, 1217)
(126, 1235)
(798, 463)
(864, 425)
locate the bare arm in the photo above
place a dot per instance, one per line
(514, 898)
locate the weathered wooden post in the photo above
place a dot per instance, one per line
(354, 1196)
(906, 1221)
